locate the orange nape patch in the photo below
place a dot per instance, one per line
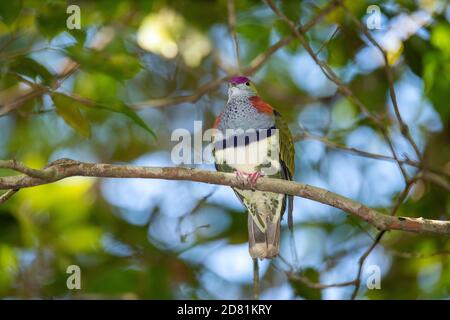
(260, 105)
(216, 122)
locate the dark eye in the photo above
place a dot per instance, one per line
(247, 83)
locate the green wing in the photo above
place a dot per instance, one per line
(287, 150)
(287, 157)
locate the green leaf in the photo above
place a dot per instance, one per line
(7, 80)
(103, 89)
(343, 115)
(97, 86)
(31, 68)
(436, 77)
(440, 37)
(114, 280)
(130, 113)
(256, 36)
(79, 35)
(80, 239)
(52, 18)
(119, 65)
(69, 110)
(374, 86)
(9, 11)
(122, 108)
(8, 267)
(291, 9)
(158, 279)
(80, 126)
(414, 50)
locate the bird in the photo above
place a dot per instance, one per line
(252, 140)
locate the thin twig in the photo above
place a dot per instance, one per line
(197, 206)
(291, 274)
(362, 153)
(331, 75)
(328, 41)
(7, 195)
(380, 235)
(315, 285)
(232, 27)
(404, 129)
(361, 261)
(69, 68)
(328, 72)
(437, 180)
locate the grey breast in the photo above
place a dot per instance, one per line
(240, 114)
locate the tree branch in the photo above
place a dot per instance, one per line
(404, 129)
(362, 153)
(342, 87)
(65, 168)
(232, 27)
(361, 261)
(431, 174)
(380, 235)
(100, 41)
(8, 194)
(315, 285)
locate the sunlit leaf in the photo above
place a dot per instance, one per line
(69, 110)
(440, 37)
(436, 76)
(80, 239)
(8, 267)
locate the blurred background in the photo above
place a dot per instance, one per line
(115, 89)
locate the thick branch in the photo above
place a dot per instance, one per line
(69, 168)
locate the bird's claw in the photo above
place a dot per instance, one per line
(253, 178)
(250, 178)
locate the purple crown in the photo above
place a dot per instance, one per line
(238, 80)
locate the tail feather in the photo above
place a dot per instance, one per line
(266, 244)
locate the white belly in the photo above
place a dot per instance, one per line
(262, 155)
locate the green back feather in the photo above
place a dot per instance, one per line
(287, 150)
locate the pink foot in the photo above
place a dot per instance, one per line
(251, 178)
(241, 175)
